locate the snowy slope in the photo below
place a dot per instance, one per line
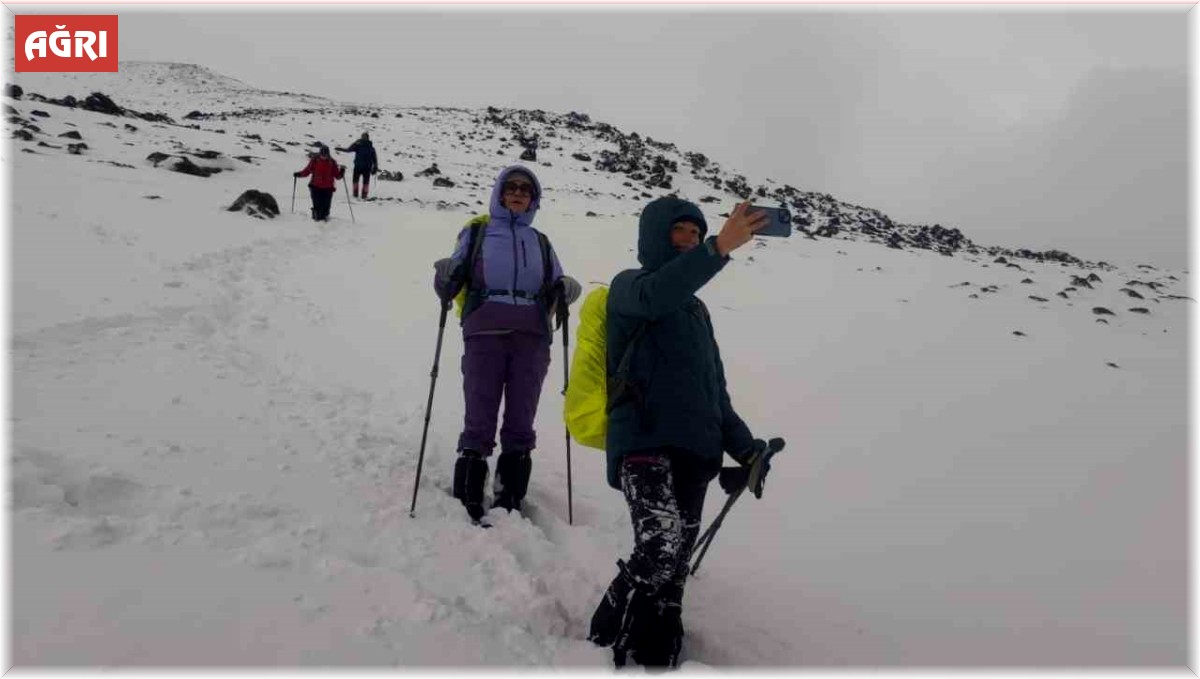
(216, 418)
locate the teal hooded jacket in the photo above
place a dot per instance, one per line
(676, 364)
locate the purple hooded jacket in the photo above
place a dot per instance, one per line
(510, 258)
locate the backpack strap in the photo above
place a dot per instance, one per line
(620, 387)
(474, 245)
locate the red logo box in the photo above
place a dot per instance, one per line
(75, 43)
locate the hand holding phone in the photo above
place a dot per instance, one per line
(739, 229)
(779, 222)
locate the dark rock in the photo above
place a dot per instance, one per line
(157, 157)
(256, 204)
(529, 154)
(1063, 295)
(582, 156)
(429, 171)
(49, 146)
(709, 199)
(391, 176)
(1018, 333)
(1140, 310)
(1092, 277)
(1101, 311)
(152, 197)
(591, 214)
(1132, 293)
(1112, 365)
(186, 166)
(98, 102)
(131, 128)
(207, 155)
(40, 114)
(73, 134)
(13, 91)
(195, 115)
(23, 135)
(1038, 299)
(1027, 280)
(77, 149)
(442, 181)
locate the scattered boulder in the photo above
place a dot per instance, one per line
(23, 135)
(77, 149)
(185, 166)
(1081, 282)
(257, 204)
(1132, 293)
(1112, 365)
(591, 214)
(429, 171)
(98, 102)
(1038, 299)
(1140, 310)
(13, 91)
(73, 134)
(1092, 277)
(1027, 281)
(1063, 295)
(131, 128)
(529, 154)
(157, 157)
(442, 181)
(207, 155)
(1101, 311)
(582, 156)
(385, 175)
(40, 114)
(1018, 333)
(196, 115)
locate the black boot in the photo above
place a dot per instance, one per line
(622, 618)
(512, 479)
(470, 478)
(659, 647)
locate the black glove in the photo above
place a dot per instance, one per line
(754, 463)
(296, 174)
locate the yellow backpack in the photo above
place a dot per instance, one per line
(585, 408)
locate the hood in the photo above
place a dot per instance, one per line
(497, 209)
(654, 229)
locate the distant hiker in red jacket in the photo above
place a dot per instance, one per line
(325, 173)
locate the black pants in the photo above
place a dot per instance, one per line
(363, 173)
(666, 500)
(321, 200)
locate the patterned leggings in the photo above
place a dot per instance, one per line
(665, 506)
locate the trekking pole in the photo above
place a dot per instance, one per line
(347, 187)
(753, 476)
(429, 404)
(564, 316)
(294, 194)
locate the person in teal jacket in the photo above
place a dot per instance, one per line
(671, 420)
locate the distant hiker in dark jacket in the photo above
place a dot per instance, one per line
(366, 163)
(515, 281)
(325, 173)
(666, 437)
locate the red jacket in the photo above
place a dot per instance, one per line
(325, 172)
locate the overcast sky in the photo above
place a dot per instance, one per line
(1036, 127)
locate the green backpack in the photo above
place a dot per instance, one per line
(591, 393)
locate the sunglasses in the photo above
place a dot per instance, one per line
(518, 187)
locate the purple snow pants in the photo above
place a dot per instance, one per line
(513, 365)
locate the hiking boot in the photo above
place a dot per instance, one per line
(470, 478)
(662, 639)
(512, 479)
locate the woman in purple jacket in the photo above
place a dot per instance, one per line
(513, 279)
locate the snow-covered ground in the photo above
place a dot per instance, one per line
(215, 424)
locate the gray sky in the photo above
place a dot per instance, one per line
(1033, 127)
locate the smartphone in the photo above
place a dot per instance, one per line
(779, 221)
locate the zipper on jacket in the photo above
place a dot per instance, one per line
(524, 255)
(512, 225)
